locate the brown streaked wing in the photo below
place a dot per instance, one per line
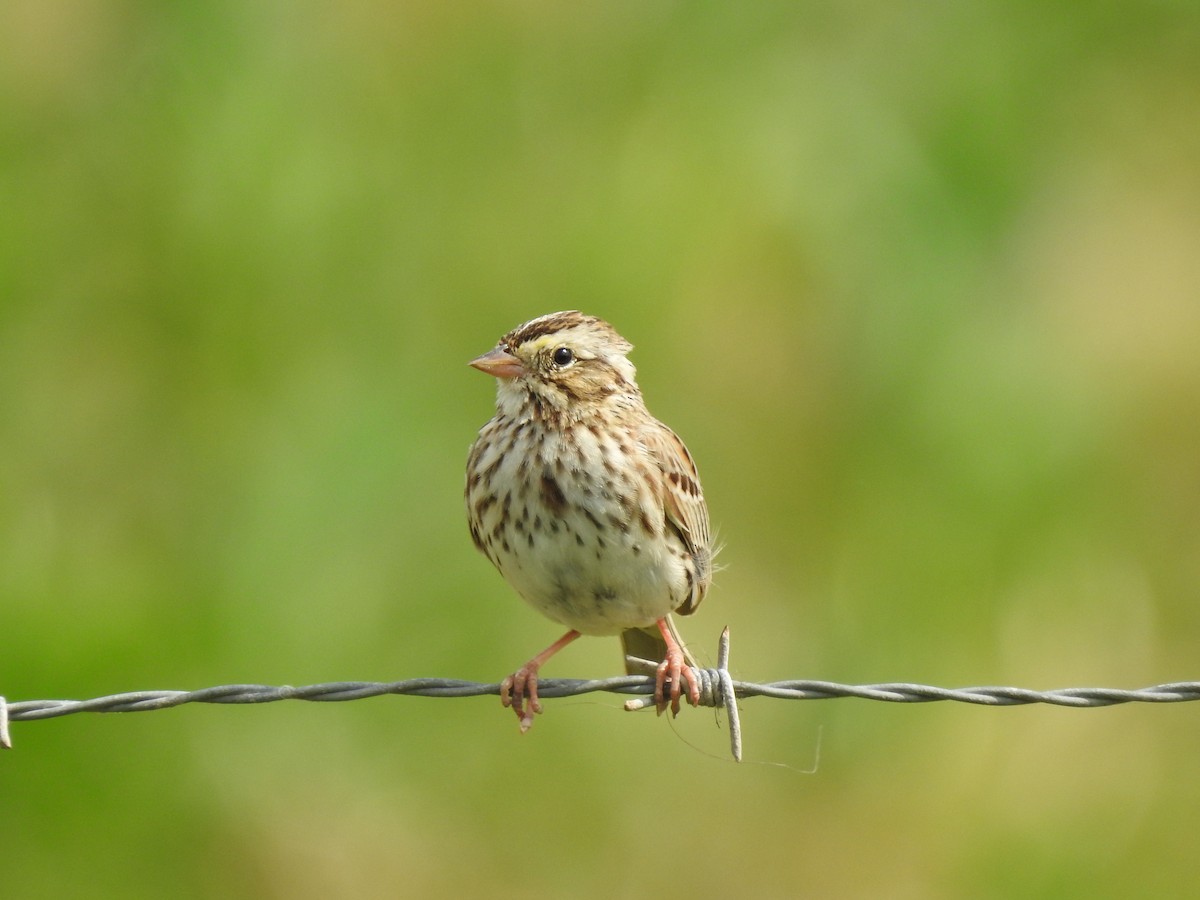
(683, 502)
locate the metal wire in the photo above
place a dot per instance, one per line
(718, 689)
(143, 701)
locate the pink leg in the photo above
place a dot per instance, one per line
(675, 670)
(523, 682)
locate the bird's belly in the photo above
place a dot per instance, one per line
(597, 585)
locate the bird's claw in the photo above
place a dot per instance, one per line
(516, 689)
(674, 671)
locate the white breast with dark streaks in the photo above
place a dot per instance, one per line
(586, 550)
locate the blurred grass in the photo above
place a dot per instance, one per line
(918, 285)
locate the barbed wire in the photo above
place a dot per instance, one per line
(718, 689)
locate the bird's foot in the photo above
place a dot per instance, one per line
(668, 683)
(519, 687)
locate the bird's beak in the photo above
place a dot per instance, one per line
(500, 363)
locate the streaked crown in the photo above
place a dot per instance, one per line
(570, 328)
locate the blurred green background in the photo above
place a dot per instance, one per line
(919, 284)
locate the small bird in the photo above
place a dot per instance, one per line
(589, 506)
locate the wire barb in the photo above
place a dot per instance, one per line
(716, 690)
(729, 696)
(5, 738)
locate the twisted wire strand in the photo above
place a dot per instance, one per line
(718, 689)
(337, 691)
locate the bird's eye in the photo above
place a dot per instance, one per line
(563, 356)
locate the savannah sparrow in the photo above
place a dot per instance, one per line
(589, 506)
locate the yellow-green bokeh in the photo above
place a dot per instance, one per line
(918, 284)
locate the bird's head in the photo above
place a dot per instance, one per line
(566, 361)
